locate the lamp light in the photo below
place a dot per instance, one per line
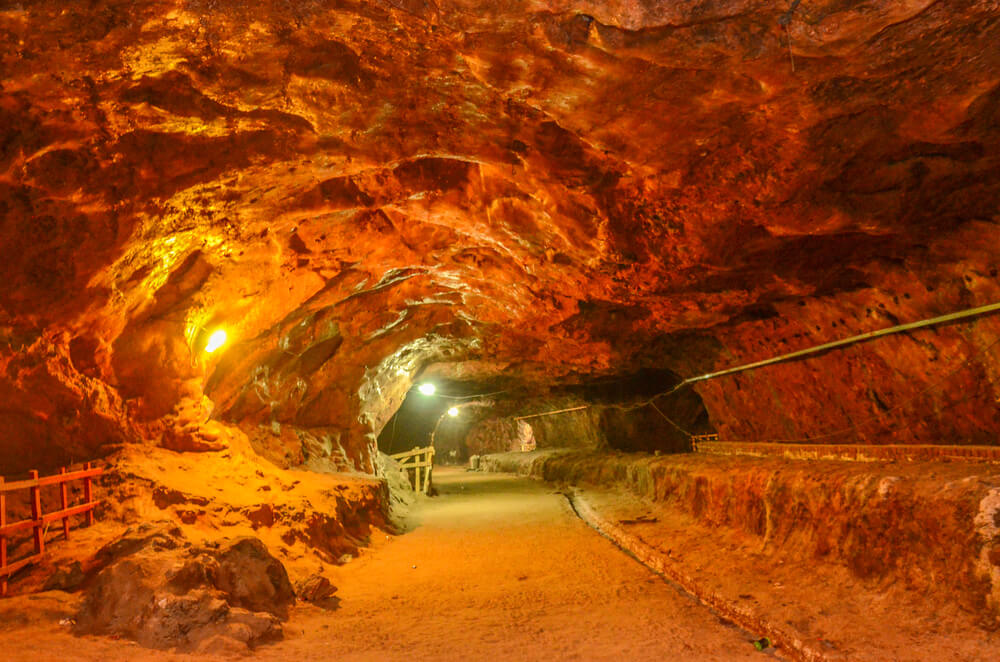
(215, 341)
(427, 388)
(453, 412)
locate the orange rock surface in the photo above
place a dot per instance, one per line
(545, 191)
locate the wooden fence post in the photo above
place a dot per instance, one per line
(3, 539)
(420, 461)
(65, 504)
(429, 470)
(36, 513)
(88, 495)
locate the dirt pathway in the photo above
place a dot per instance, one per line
(505, 571)
(495, 568)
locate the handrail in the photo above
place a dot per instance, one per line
(422, 458)
(412, 451)
(49, 480)
(48, 518)
(39, 519)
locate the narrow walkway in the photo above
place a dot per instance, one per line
(499, 568)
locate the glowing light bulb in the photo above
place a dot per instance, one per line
(427, 388)
(215, 341)
(453, 412)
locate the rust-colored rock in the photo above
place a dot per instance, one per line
(552, 192)
(931, 526)
(315, 588)
(159, 590)
(253, 579)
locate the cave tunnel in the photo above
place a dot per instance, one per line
(707, 292)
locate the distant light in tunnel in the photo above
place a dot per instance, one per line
(453, 412)
(215, 341)
(427, 388)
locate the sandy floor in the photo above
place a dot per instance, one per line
(495, 568)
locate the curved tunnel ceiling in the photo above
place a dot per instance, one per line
(547, 191)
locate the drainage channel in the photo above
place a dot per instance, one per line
(785, 645)
(571, 500)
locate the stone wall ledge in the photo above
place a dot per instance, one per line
(855, 452)
(910, 537)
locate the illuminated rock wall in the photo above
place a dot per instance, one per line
(559, 191)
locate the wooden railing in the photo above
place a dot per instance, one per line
(417, 459)
(39, 520)
(703, 438)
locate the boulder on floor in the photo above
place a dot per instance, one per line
(163, 592)
(315, 588)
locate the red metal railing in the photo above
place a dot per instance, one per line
(39, 520)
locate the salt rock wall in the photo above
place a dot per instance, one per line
(568, 190)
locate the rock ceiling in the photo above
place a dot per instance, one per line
(543, 191)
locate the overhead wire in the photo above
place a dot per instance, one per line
(471, 397)
(852, 340)
(855, 426)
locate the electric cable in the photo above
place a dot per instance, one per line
(854, 339)
(470, 397)
(866, 421)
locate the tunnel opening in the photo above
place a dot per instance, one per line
(637, 412)
(436, 416)
(641, 412)
(412, 424)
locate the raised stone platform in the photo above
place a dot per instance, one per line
(855, 452)
(931, 529)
